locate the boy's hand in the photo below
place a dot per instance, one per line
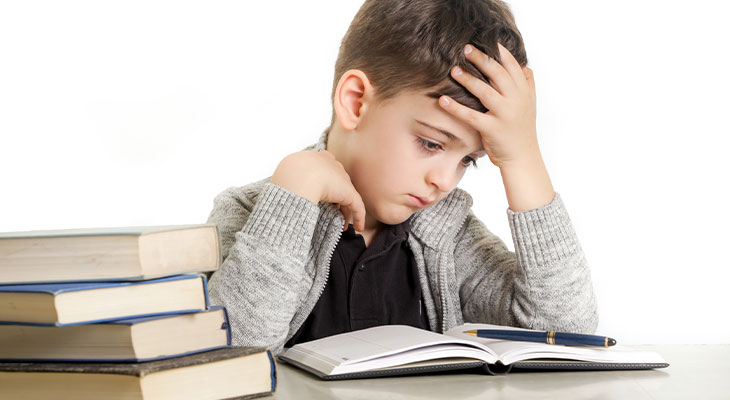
(318, 176)
(508, 128)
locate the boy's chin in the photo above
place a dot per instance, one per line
(394, 217)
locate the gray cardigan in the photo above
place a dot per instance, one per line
(277, 248)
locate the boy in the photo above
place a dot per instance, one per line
(407, 123)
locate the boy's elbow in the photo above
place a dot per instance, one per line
(588, 322)
(592, 316)
(584, 324)
(584, 321)
(585, 317)
(591, 323)
(276, 348)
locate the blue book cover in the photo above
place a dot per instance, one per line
(176, 335)
(14, 297)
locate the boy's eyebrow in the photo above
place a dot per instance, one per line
(449, 135)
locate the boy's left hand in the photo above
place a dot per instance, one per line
(508, 128)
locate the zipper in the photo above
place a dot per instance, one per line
(301, 320)
(327, 270)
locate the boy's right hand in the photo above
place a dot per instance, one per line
(318, 176)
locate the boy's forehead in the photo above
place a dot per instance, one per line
(423, 110)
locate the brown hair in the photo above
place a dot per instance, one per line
(411, 45)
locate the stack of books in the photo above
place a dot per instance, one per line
(119, 313)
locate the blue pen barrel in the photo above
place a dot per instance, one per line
(578, 339)
(567, 339)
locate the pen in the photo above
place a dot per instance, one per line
(550, 337)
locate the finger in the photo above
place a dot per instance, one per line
(346, 214)
(358, 212)
(481, 122)
(497, 74)
(530, 76)
(510, 63)
(355, 208)
(351, 207)
(485, 93)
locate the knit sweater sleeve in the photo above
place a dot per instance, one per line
(265, 245)
(544, 284)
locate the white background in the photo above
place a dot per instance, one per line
(140, 112)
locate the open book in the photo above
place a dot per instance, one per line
(401, 350)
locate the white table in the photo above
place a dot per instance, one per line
(695, 372)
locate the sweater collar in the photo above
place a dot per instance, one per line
(433, 225)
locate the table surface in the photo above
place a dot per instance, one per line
(695, 372)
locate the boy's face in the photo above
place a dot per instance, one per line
(396, 158)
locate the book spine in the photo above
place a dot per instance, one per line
(498, 368)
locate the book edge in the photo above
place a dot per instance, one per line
(132, 368)
(94, 285)
(102, 231)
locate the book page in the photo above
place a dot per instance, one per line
(384, 345)
(513, 351)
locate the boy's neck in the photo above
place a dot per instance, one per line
(372, 227)
(336, 143)
(338, 147)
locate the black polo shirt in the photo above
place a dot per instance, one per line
(367, 286)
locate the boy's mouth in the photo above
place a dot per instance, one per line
(419, 201)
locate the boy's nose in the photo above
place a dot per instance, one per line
(442, 179)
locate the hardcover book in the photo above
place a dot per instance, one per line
(86, 302)
(234, 372)
(130, 340)
(108, 254)
(403, 350)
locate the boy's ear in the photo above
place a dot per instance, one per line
(353, 96)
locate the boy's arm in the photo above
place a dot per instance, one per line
(544, 284)
(265, 246)
(266, 243)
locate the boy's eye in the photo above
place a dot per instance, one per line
(469, 162)
(429, 146)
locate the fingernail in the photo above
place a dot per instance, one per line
(467, 49)
(457, 70)
(444, 101)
